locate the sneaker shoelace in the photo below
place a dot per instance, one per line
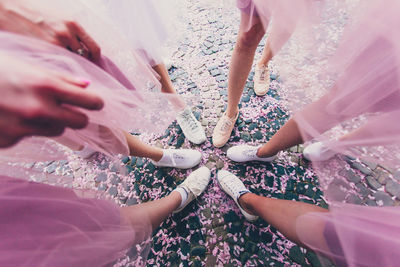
(226, 124)
(190, 120)
(251, 153)
(234, 186)
(262, 73)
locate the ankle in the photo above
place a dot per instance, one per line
(262, 64)
(158, 155)
(245, 202)
(231, 113)
(261, 154)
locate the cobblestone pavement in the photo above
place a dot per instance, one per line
(211, 231)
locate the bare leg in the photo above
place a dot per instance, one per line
(282, 214)
(288, 136)
(140, 149)
(167, 86)
(266, 56)
(278, 37)
(156, 211)
(241, 62)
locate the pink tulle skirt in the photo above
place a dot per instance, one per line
(355, 113)
(128, 104)
(44, 225)
(142, 23)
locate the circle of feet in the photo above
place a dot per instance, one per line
(211, 231)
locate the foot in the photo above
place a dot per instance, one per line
(223, 129)
(261, 80)
(179, 158)
(235, 189)
(318, 152)
(244, 153)
(194, 185)
(191, 127)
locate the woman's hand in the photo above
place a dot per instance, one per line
(20, 18)
(36, 101)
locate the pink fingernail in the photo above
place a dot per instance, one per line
(85, 81)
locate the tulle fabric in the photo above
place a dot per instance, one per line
(126, 108)
(121, 78)
(358, 117)
(285, 17)
(147, 24)
(142, 25)
(354, 235)
(352, 106)
(44, 225)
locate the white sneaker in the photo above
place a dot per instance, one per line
(195, 184)
(235, 189)
(223, 129)
(179, 158)
(261, 80)
(318, 152)
(191, 127)
(243, 153)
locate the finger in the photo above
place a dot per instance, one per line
(81, 82)
(55, 116)
(50, 130)
(71, 118)
(83, 36)
(70, 94)
(76, 46)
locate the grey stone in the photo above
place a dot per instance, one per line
(393, 188)
(396, 175)
(273, 76)
(363, 190)
(113, 191)
(354, 199)
(208, 44)
(384, 198)
(258, 135)
(253, 126)
(371, 165)
(220, 78)
(102, 187)
(115, 180)
(381, 176)
(210, 165)
(245, 136)
(373, 183)
(102, 177)
(297, 256)
(350, 176)
(371, 203)
(215, 72)
(52, 167)
(139, 162)
(361, 168)
(246, 98)
(220, 164)
(180, 141)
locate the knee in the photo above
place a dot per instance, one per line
(250, 39)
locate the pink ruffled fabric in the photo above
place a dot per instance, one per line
(357, 115)
(122, 78)
(44, 225)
